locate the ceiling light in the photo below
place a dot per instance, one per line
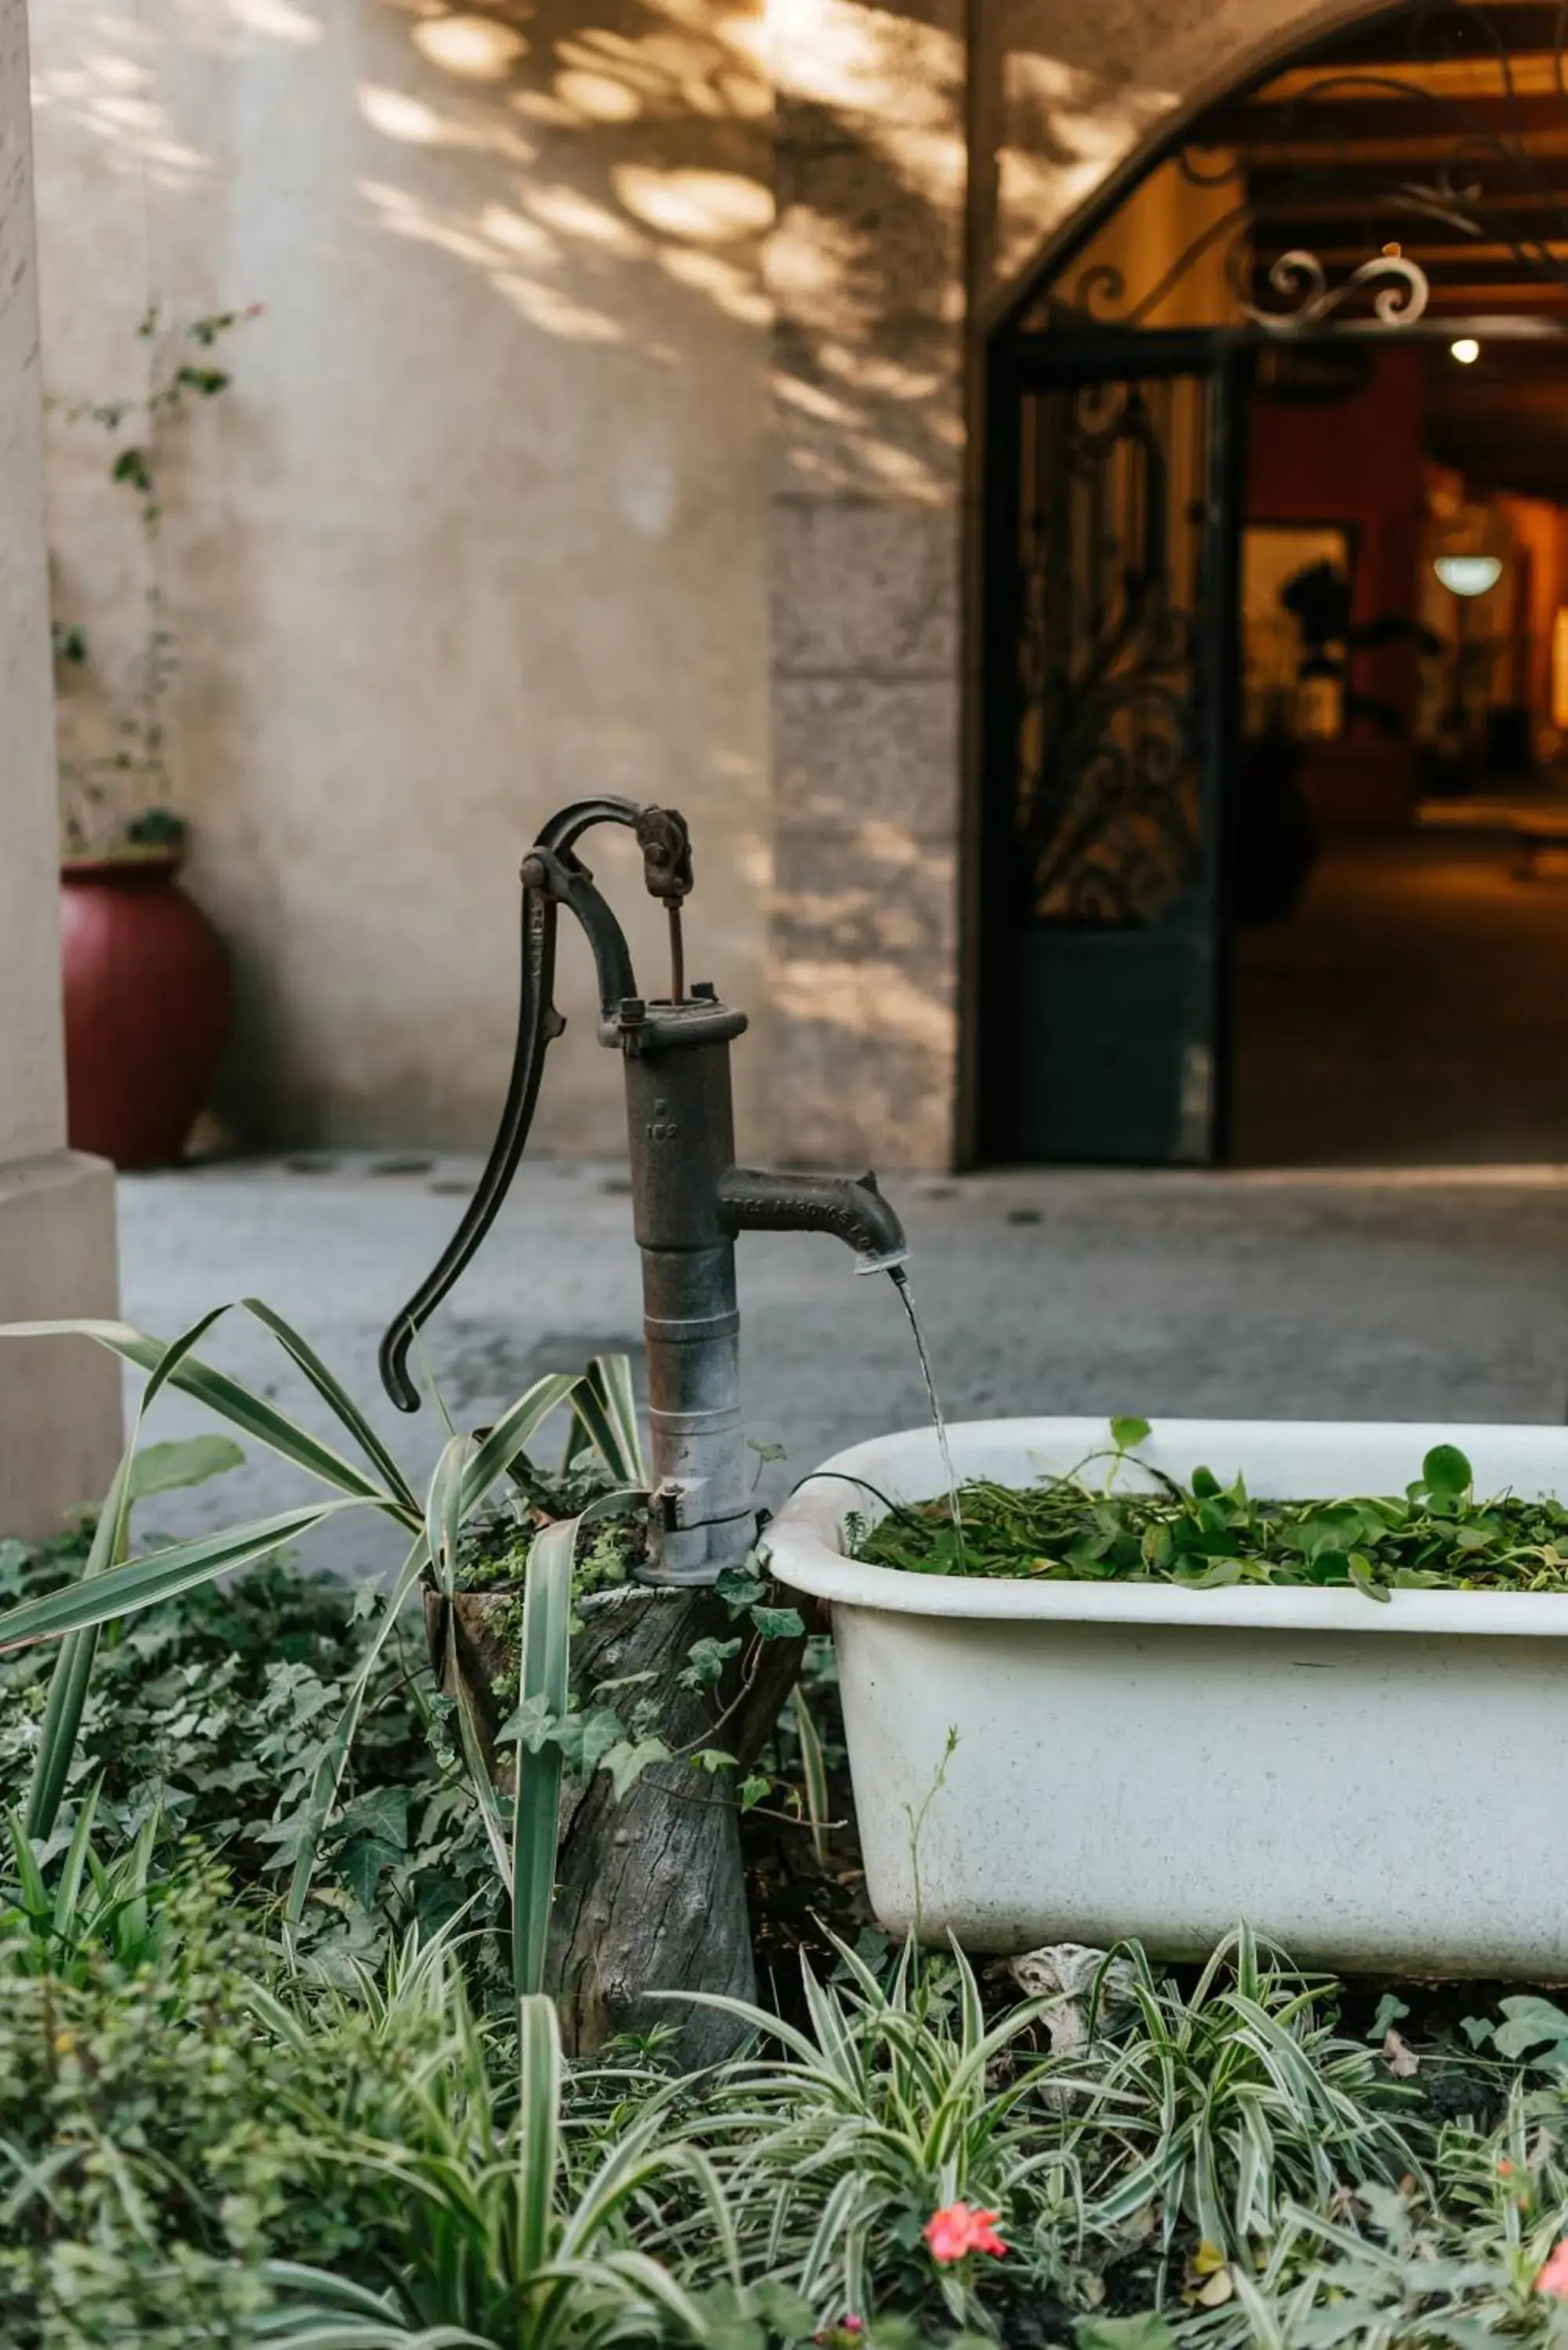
(1466, 350)
(1468, 575)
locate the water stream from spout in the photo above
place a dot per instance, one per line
(900, 1277)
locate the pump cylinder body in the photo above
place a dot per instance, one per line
(681, 1131)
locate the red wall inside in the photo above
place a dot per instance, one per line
(1356, 461)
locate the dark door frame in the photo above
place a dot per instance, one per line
(1018, 361)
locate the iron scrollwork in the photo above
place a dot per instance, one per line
(1495, 174)
(1107, 804)
(1403, 292)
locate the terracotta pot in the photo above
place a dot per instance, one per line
(147, 1006)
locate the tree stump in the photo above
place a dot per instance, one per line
(650, 1892)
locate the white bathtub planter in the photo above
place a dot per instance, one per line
(1376, 1786)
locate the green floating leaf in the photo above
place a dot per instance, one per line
(1364, 1574)
(1445, 1472)
(1128, 1432)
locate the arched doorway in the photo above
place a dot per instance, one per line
(1276, 546)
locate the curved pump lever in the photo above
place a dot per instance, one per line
(552, 876)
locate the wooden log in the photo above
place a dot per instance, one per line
(650, 1886)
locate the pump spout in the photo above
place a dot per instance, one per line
(850, 1207)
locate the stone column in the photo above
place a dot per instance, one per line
(867, 274)
(59, 1402)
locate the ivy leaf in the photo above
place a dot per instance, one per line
(627, 1762)
(753, 1790)
(585, 1739)
(381, 1813)
(1147, 2332)
(1128, 1432)
(779, 1623)
(1531, 2021)
(705, 1663)
(530, 1725)
(713, 1758)
(765, 1450)
(363, 1864)
(783, 2310)
(738, 1586)
(1391, 2010)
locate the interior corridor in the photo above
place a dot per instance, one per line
(1414, 1009)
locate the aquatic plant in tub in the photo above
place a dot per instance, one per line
(1345, 1720)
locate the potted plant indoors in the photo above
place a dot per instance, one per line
(146, 978)
(1150, 1683)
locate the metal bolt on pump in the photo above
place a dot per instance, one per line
(688, 1197)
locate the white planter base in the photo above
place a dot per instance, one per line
(1376, 1787)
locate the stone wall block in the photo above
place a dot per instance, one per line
(866, 942)
(843, 65)
(871, 415)
(853, 751)
(858, 244)
(865, 586)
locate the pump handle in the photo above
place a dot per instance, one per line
(552, 876)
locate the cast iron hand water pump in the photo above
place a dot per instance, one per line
(689, 1197)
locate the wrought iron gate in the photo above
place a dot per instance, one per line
(1403, 173)
(1111, 586)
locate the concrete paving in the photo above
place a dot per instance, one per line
(1439, 1294)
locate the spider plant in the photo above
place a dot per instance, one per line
(1454, 2264)
(1219, 2106)
(499, 2247)
(97, 1909)
(113, 1585)
(896, 2101)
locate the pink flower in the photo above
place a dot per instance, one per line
(843, 2334)
(956, 2230)
(1553, 2277)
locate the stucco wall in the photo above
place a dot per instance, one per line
(32, 1089)
(866, 268)
(495, 512)
(60, 1398)
(481, 527)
